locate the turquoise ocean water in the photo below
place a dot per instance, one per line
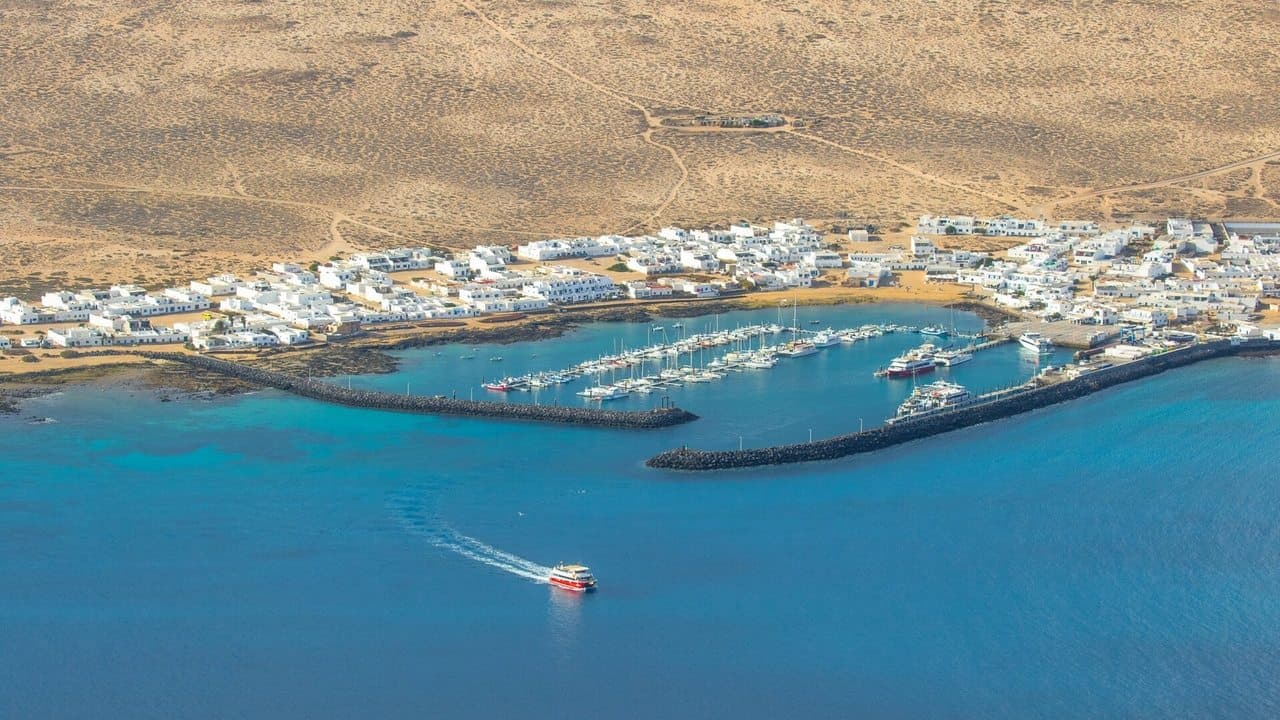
(269, 556)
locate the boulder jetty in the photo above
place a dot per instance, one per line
(433, 405)
(998, 405)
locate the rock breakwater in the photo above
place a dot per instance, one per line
(436, 405)
(998, 408)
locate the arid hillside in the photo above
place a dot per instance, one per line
(166, 138)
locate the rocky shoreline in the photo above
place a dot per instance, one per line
(991, 314)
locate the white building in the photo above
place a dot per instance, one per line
(567, 286)
(546, 250)
(647, 291)
(822, 259)
(15, 312)
(75, 337)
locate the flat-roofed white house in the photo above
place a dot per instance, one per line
(15, 312)
(645, 291)
(75, 337)
(823, 259)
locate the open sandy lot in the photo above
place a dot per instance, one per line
(150, 142)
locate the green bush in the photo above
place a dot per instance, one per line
(618, 267)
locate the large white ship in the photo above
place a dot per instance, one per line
(934, 396)
(1036, 342)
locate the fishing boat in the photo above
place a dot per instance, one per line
(499, 386)
(933, 330)
(1035, 342)
(572, 577)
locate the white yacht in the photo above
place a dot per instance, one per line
(952, 357)
(1036, 342)
(825, 339)
(603, 392)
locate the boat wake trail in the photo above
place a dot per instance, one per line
(417, 521)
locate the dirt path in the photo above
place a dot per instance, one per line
(1156, 184)
(671, 194)
(626, 98)
(334, 213)
(930, 177)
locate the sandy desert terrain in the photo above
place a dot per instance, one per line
(166, 139)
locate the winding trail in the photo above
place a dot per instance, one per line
(623, 97)
(930, 177)
(1156, 184)
(671, 194)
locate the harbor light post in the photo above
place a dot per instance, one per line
(810, 434)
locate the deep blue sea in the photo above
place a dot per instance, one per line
(270, 556)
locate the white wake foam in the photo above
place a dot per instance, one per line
(440, 535)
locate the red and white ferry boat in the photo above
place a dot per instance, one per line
(572, 577)
(912, 363)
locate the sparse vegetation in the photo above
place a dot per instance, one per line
(309, 159)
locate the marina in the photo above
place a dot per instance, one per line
(703, 358)
(945, 407)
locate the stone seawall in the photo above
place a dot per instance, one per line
(897, 433)
(328, 392)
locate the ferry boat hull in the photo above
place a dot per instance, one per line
(576, 586)
(910, 372)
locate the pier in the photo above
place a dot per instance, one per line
(1065, 333)
(997, 406)
(988, 344)
(664, 416)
